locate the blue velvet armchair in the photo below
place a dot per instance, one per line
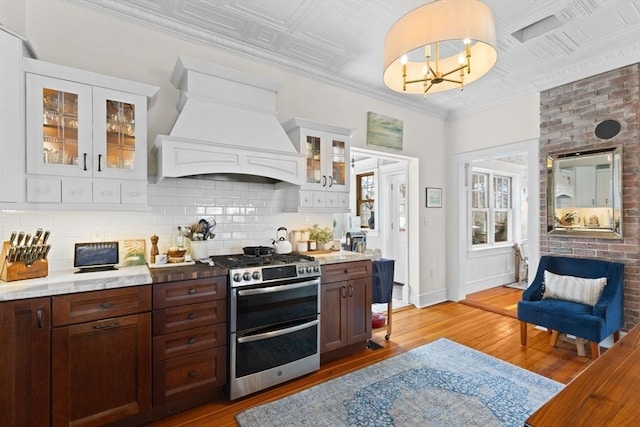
(592, 323)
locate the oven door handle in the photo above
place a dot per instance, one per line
(279, 288)
(277, 333)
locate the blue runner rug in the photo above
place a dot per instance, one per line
(439, 384)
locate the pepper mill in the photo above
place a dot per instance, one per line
(154, 248)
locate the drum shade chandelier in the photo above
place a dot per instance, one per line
(412, 48)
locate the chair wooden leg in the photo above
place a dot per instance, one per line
(553, 341)
(523, 333)
(616, 336)
(595, 350)
(580, 346)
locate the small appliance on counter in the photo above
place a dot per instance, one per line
(355, 241)
(95, 256)
(25, 257)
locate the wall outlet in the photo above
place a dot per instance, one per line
(97, 235)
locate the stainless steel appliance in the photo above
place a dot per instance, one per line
(355, 241)
(274, 319)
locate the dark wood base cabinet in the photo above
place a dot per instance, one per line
(101, 368)
(25, 331)
(345, 310)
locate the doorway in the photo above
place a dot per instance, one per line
(475, 265)
(393, 212)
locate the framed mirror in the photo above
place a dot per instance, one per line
(584, 194)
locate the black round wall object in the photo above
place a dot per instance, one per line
(607, 129)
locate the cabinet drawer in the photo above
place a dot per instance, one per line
(44, 190)
(76, 190)
(189, 316)
(134, 192)
(187, 375)
(172, 294)
(345, 271)
(189, 341)
(88, 306)
(106, 191)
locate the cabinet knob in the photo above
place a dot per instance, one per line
(191, 316)
(40, 318)
(105, 304)
(350, 291)
(344, 292)
(192, 341)
(192, 291)
(192, 374)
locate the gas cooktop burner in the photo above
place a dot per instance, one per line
(243, 260)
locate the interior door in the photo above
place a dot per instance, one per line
(398, 226)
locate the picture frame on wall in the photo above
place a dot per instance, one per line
(433, 197)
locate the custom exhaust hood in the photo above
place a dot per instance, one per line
(227, 127)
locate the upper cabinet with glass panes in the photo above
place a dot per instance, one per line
(74, 129)
(84, 125)
(326, 147)
(327, 153)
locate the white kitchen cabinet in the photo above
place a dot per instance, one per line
(593, 186)
(585, 186)
(86, 136)
(13, 48)
(603, 187)
(326, 150)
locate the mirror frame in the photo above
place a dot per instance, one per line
(553, 166)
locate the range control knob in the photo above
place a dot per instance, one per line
(316, 268)
(246, 276)
(301, 270)
(309, 269)
(256, 275)
(237, 277)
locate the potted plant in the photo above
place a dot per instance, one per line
(320, 235)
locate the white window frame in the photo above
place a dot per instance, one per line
(491, 210)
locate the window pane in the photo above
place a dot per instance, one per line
(479, 227)
(501, 225)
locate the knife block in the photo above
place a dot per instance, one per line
(18, 270)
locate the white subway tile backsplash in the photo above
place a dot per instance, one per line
(247, 214)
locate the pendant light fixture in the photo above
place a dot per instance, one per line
(440, 46)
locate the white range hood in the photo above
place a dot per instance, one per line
(227, 126)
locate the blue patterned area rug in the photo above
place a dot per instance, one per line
(439, 384)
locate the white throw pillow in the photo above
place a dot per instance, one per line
(571, 288)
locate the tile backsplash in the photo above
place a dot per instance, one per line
(246, 214)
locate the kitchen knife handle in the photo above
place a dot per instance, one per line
(12, 238)
(85, 161)
(99, 161)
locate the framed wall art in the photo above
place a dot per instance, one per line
(384, 131)
(434, 197)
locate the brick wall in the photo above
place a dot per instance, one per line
(568, 117)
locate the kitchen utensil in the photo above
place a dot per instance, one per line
(281, 245)
(257, 250)
(12, 238)
(20, 237)
(45, 237)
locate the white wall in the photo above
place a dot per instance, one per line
(68, 34)
(508, 129)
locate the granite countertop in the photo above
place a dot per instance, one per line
(336, 257)
(66, 282)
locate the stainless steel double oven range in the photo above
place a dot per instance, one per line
(274, 319)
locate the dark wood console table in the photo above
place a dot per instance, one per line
(605, 394)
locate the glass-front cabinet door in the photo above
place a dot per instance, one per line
(327, 156)
(119, 134)
(58, 127)
(337, 161)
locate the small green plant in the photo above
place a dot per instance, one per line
(320, 235)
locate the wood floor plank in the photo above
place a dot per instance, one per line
(489, 332)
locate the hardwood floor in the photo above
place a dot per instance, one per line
(492, 333)
(501, 300)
